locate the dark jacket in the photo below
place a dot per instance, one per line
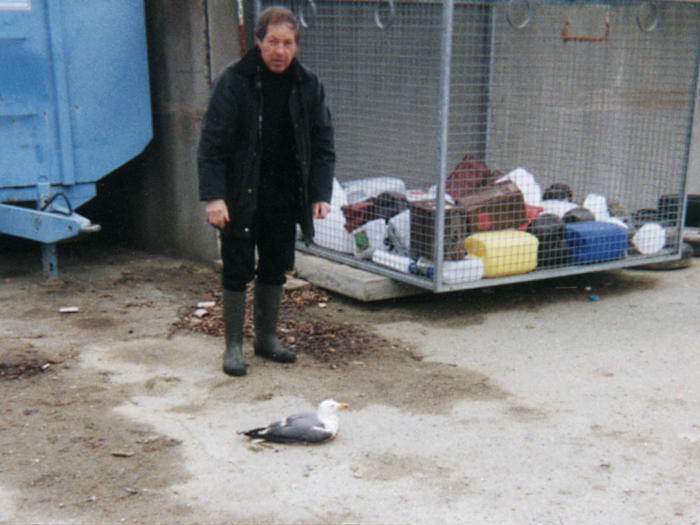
(229, 151)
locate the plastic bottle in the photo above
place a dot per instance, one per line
(423, 266)
(401, 263)
(462, 271)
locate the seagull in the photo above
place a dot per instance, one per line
(305, 427)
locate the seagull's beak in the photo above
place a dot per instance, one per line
(343, 405)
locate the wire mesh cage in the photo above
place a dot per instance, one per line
(480, 143)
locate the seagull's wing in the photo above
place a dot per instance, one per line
(303, 427)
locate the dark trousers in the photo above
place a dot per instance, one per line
(273, 234)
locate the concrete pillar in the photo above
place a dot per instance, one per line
(190, 41)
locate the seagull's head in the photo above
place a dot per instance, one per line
(330, 406)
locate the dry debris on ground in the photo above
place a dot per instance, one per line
(23, 366)
(330, 343)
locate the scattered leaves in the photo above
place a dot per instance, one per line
(330, 343)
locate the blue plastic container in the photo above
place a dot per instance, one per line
(592, 242)
(74, 106)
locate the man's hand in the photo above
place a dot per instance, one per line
(217, 213)
(321, 209)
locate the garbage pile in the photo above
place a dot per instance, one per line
(495, 224)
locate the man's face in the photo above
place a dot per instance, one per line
(278, 48)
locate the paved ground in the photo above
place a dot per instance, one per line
(530, 403)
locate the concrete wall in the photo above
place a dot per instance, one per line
(188, 40)
(153, 202)
(694, 160)
(605, 112)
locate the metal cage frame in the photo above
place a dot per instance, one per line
(519, 15)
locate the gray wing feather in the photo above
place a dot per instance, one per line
(304, 426)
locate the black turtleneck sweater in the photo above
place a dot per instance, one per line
(278, 174)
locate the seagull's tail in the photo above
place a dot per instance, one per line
(253, 432)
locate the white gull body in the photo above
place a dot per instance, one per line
(304, 427)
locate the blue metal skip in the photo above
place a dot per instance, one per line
(74, 106)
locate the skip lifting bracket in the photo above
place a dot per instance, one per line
(384, 21)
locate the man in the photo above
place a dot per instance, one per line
(266, 160)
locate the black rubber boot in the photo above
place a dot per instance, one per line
(266, 315)
(234, 318)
